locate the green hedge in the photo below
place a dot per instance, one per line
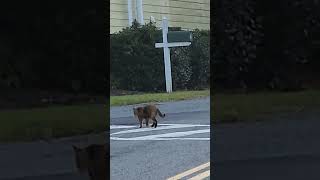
(137, 65)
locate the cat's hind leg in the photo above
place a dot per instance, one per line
(140, 120)
(155, 123)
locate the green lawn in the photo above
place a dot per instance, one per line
(242, 107)
(60, 121)
(156, 97)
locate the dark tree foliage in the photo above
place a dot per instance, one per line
(265, 44)
(53, 47)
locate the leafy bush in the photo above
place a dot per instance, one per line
(200, 56)
(181, 66)
(135, 63)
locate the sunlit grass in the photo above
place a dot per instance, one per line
(157, 97)
(246, 107)
(52, 122)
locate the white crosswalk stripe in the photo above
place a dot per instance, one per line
(120, 127)
(179, 135)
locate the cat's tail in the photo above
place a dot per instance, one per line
(160, 114)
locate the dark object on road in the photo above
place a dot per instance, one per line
(92, 160)
(148, 112)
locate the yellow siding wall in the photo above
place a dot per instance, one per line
(118, 15)
(187, 14)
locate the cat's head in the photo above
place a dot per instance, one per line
(135, 112)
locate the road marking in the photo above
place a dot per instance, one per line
(159, 139)
(201, 176)
(167, 126)
(165, 136)
(205, 125)
(174, 134)
(190, 171)
(120, 127)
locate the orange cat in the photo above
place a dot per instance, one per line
(147, 112)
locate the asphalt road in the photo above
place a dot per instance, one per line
(54, 160)
(41, 160)
(285, 146)
(175, 146)
(65, 176)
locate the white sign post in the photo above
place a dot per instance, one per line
(166, 52)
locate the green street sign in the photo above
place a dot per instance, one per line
(179, 36)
